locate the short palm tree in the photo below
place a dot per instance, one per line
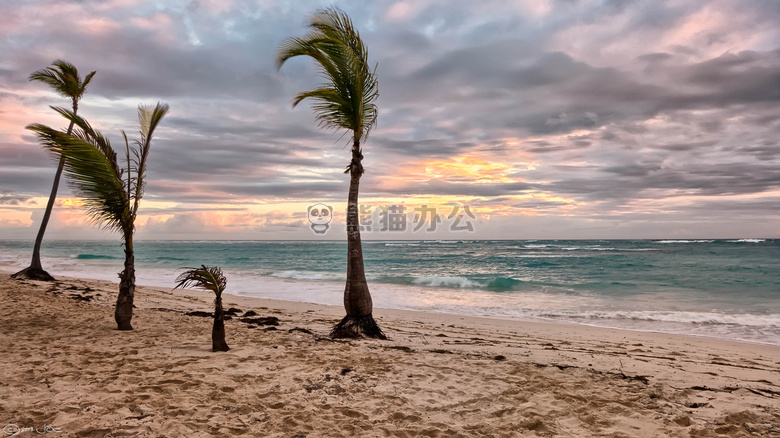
(344, 101)
(209, 278)
(110, 193)
(64, 79)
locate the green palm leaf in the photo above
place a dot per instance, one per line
(92, 170)
(205, 277)
(90, 163)
(346, 99)
(149, 118)
(64, 79)
(88, 134)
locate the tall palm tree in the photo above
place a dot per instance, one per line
(65, 81)
(344, 101)
(209, 278)
(110, 193)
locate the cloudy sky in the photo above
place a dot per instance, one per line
(547, 119)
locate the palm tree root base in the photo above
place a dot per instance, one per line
(218, 332)
(32, 273)
(220, 347)
(123, 318)
(356, 327)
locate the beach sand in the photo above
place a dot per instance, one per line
(65, 365)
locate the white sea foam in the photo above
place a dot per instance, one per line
(707, 318)
(456, 282)
(308, 275)
(684, 241)
(748, 240)
(540, 256)
(392, 241)
(587, 248)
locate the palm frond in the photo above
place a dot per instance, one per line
(149, 118)
(64, 79)
(86, 82)
(329, 108)
(87, 133)
(92, 171)
(90, 163)
(49, 77)
(205, 277)
(342, 58)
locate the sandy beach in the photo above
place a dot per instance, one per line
(67, 369)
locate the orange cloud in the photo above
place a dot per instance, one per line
(466, 168)
(474, 169)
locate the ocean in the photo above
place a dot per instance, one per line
(717, 288)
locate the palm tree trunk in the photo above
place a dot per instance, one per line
(357, 298)
(124, 302)
(218, 331)
(35, 270)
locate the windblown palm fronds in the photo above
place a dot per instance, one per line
(64, 79)
(110, 193)
(344, 101)
(209, 278)
(205, 277)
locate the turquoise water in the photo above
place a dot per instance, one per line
(719, 288)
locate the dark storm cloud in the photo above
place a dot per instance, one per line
(538, 204)
(27, 181)
(179, 209)
(687, 146)
(755, 208)
(238, 192)
(633, 170)
(29, 156)
(632, 181)
(543, 147)
(765, 150)
(209, 159)
(422, 148)
(217, 129)
(558, 94)
(166, 59)
(734, 78)
(9, 198)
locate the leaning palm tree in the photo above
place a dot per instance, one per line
(209, 278)
(65, 81)
(110, 193)
(344, 101)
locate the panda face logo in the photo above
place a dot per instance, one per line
(319, 216)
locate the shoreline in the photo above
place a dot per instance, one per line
(438, 375)
(530, 319)
(649, 239)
